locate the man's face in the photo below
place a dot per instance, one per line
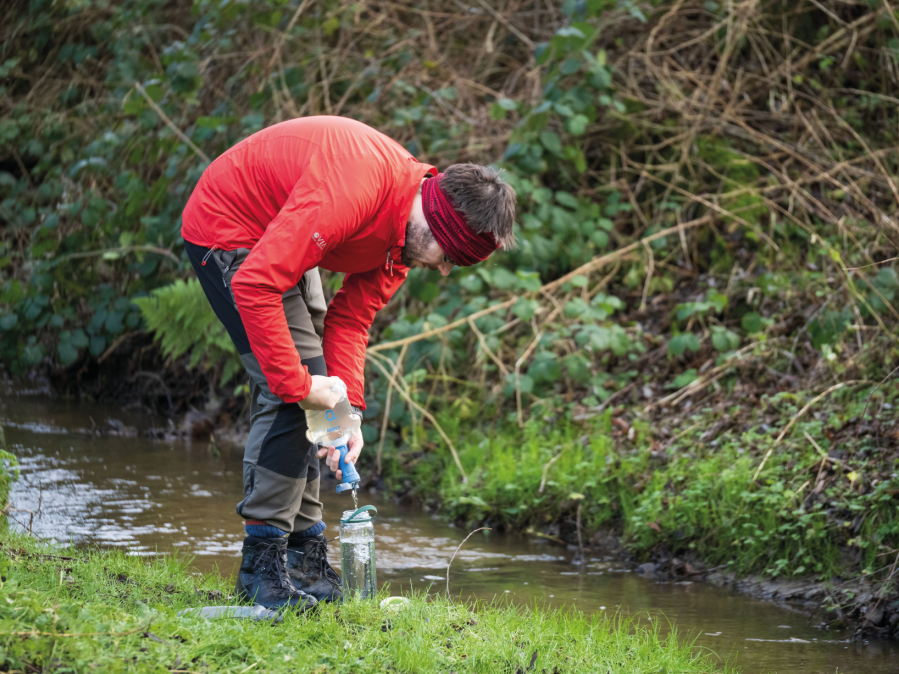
(421, 249)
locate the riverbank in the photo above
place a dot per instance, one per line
(673, 491)
(790, 497)
(87, 610)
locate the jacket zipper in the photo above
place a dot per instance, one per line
(388, 265)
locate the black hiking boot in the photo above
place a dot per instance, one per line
(309, 571)
(262, 578)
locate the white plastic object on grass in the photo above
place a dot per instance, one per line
(394, 603)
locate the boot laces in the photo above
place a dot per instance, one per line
(316, 559)
(271, 562)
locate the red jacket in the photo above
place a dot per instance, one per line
(319, 191)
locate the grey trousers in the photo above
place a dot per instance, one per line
(280, 469)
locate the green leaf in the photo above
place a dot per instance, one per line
(526, 384)
(331, 25)
(79, 339)
(68, 354)
(724, 339)
(577, 367)
(752, 322)
(528, 280)
(567, 199)
(154, 91)
(570, 66)
(9, 321)
(497, 112)
(550, 140)
(472, 283)
(886, 278)
(524, 309)
(684, 379)
(428, 292)
(114, 322)
(12, 292)
(98, 345)
(577, 125)
(579, 281)
(680, 343)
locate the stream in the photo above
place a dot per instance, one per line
(162, 497)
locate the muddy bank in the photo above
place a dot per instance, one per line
(868, 609)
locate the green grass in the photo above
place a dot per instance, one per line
(86, 611)
(695, 493)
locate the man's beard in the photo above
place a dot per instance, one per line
(418, 239)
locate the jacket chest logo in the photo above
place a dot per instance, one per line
(319, 240)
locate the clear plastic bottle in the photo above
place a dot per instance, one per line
(357, 553)
(332, 428)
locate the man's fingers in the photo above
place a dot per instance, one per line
(355, 447)
(322, 451)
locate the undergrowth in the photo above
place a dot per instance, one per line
(823, 506)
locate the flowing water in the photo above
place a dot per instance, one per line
(156, 497)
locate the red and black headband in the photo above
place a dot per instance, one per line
(450, 228)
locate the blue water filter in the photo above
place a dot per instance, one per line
(350, 476)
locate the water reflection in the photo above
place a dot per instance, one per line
(159, 498)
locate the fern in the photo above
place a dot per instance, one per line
(182, 320)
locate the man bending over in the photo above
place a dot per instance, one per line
(333, 193)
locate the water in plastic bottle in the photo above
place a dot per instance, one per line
(332, 428)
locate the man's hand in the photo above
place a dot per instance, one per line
(355, 449)
(321, 397)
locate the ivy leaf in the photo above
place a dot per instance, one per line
(9, 321)
(752, 322)
(724, 339)
(577, 125)
(68, 354)
(525, 309)
(98, 345)
(79, 339)
(550, 140)
(680, 343)
(570, 66)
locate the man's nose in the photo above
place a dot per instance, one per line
(445, 268)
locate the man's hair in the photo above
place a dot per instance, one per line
(487, 201)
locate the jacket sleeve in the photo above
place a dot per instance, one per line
(348, 321)
(324, 208)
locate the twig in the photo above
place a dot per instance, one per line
(595, 263)
(873, 264)
(580, 540)
(457, 550)
(651, 266)
(281, 38)
(165, 118)
(399, 369)
(483, 342)
(605, 403)
(546, 470)
(868, 402)
(424, 413)
(512, 29)
(116, 344)
(805, 409)
(119, 251)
